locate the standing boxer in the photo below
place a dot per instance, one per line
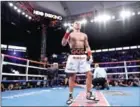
(78, 61)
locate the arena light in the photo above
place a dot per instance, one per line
(16, 47)
(125, 14)
(98, 50)
(65, 24)
(84, 21)
(118, 48)
(104, 50)
(20, 50)
(133, 47)
(18, 10)
(138, 46)
(30, 17)
(92, 21)
(102, 18)
(23, 13)
(15, 8)
(106, 17)
(54, 56)
(26, 15)
(113, 17)
(3, 46)
(11, 4)
(92, 51)
(125, 48)
(138, 13)
(133, 13)
(112, 49)
(68, 24)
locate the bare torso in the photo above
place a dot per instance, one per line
(77, 40)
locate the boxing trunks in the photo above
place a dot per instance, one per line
(77, 62)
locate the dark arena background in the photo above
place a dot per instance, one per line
(33, 59)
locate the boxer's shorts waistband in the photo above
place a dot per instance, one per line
(77, 56)
(78, 51)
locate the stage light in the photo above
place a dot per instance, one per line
(98, 50)
(23, 13)
(26, 15)
(133, 47)
(91, 21)
(102, 18)
(138, 13)
(68, 24)
(125, 14)
(133, 13)
(18, 10)
(113, 17)
(119, 48)
(84, 21)
(30, 17)
(15, 7)
(65, 24)
(10, 4)
(54, 56)
(106, 18)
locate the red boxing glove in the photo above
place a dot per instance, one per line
(89, 53)
(89, 57)
(67, 34)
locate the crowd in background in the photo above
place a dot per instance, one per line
(60, 81)
(122, 55)
(53, 78)
(110, 56)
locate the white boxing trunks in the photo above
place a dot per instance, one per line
(77, 63)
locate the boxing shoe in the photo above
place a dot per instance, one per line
(90, 96)
(69, 101)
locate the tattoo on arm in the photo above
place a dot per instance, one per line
(86, 43)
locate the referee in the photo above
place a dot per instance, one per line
(100, 78)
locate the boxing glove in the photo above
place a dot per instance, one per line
(89, 57)
(68, 31)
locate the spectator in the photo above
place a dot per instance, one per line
(2, 87)
(23, 85)
(11, 86)
(38, 84)
(29, 85)
(116, 83)
(123, 83)
(17, 86)
(136, 81)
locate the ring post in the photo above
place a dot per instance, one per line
(126, 72)
(1, 67)
(1, 70)
(27, 68)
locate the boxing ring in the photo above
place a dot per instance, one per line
(32, 71)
